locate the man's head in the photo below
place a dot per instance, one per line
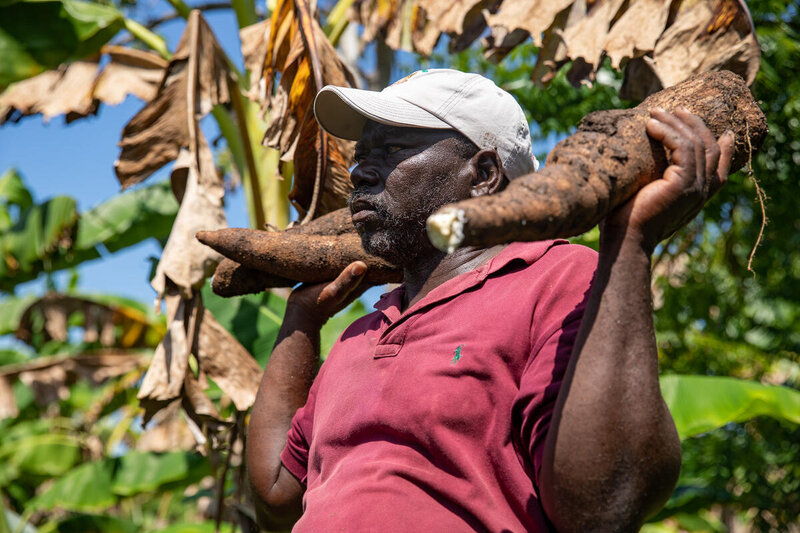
(432, 138)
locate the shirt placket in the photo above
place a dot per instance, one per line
(392, 337)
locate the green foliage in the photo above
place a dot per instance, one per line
(39, 35)
(700, 404)
(89, 523)
(52, 235)
(129, 218)
(86, 488)
(254, 319)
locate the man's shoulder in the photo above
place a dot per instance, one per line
(559, 256)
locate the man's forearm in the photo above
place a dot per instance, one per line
(284, 389)
(612, 455)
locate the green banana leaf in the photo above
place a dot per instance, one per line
(145, 471)
(12, 193)
(39, 35)
(253, 319)
(52, 235)
(700, 404)
(86, 488)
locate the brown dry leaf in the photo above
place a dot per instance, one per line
(337, 186)
(403, 23)
(202, 417)
(163, 381)
(76, 89)
(67, 90)
(514, 21)
(223, 359)
(586, 38)
(196, 79)
(168, 431)
(552, 55)
(50, 377)
(462, 20)
(8, 402)
(185, 261)
(637, 30)
(705, 36)
(377, 16)
(298, 50)
(49, 384)
(254, 47)
(99, 320)
(130, 71)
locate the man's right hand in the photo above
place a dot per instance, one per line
(321, 301)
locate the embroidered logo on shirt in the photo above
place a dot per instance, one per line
(456, 354)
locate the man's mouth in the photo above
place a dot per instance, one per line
(362, 211)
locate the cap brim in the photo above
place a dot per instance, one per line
(342, 112)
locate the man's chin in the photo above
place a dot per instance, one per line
(380, 246)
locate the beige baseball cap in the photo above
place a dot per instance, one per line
(441, 99)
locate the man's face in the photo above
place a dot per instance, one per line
(403, 175)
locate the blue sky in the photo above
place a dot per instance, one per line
(77, 160)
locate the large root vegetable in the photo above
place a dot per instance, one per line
(336, 222)
(296, 256)
(234, 279)
(598, 168)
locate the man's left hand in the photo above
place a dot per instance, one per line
(699, 166)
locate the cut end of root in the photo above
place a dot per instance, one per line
(446, 228)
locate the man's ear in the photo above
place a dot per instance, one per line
(489, 175)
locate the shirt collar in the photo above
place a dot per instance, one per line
(530, 252)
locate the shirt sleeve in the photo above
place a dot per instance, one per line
(298, 441)
(556, 321)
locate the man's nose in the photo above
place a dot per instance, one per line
(364, 175)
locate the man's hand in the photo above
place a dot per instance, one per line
(321, 301)
(699, 166)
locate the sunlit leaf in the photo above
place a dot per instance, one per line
(86, 488)
(701, 403)
(146, 471)
(36, 36)
(13, 190)
(41, 239)
(129, 218)
(49, 454)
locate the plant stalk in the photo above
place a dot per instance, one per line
(149, 38)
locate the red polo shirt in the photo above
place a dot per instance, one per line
(434, 419)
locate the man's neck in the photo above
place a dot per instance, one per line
(437, 267)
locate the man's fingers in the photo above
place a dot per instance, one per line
(710, 145)
(337, 290)
(694, 141)
(676, 137)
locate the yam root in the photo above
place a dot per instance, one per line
(234, 279)
(598, 168)
(299, 257)
(336, 222)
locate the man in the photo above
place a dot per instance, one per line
(513, 388)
